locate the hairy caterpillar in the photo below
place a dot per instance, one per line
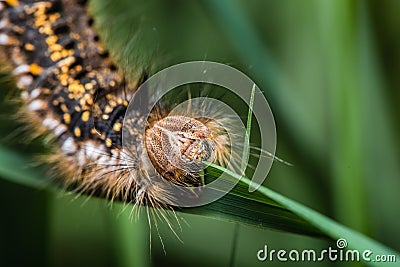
(72, 88)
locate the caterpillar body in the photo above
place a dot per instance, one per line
(71, 87)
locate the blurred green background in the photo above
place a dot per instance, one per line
(330, 71)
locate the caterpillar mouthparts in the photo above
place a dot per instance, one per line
(72, 89)
(178, 145)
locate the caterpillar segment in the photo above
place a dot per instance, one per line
(71, 87)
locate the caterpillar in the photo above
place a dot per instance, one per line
(72, 89)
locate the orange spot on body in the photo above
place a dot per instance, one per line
(76, 88)
(46, 29)
(85, 116)
(51, 40)
(77, 132)
(88, 86)
(56, 56)
(67, 118)
(64, 108)
(29, 47)
(35, 69)
(12, 2)
(108, 142)
(117, 126)
(40, 21)
(108, 109)
(54, 17)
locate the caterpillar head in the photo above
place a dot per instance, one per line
(178, 146)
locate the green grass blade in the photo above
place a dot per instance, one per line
(237, 209)
(328, 226)
(248, 130)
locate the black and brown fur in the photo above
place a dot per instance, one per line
(72, 88)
